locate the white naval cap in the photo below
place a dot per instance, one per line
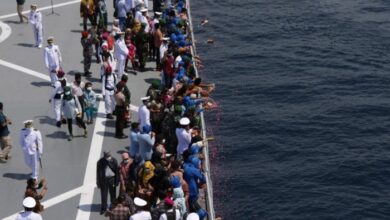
(166, 38)
(28, 122)
(29, 202)
(146, 98)
(158, 13)
(184, 121)
(144, 10)
(193, 216)
(51, 38)
(34, 5)
(139, 202)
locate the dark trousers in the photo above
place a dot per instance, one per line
(168, 81)
(87, 62)
(120, 120)
(107, 186)
(97, 52)
(79, 122)
(152, 48)
(158, 61)
(82, 103)
(91, 18)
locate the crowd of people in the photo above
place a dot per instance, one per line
(161, 174)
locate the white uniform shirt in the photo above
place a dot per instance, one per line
(120, 49)
(52, 56)
(130, 4)
(163, 48)
(31, 141)
(183, 139)
(143, 116)
(29, 215)
(138, 16)
(141, 215)
(35, 18)
(111, 82)
(155, 21)
(145, 20)
(164, 216)
(57, 89)
(177, 61)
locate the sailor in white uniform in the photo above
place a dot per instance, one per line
(29, 203)
(56, 96)
(53, 60)
(140, 214)
(144, 19)
(120, 54)
(144, 113)
(31, 143)
(35, 19)
(108, 91)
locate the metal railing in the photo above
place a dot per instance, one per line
(209, 189)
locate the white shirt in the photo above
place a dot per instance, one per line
(153, 28)
(143, 116)
(164, 216)
(121, 8)
(183, 139)
(145, 20)
(77, 90)
(35, 18)
(57, 89)
(52, 56)
(111, 82)
(163, 48)
(29, 215)
(31, 141)
(141, 215)
(138, 16)
(120, 49)
(177, 61)
(130, 4)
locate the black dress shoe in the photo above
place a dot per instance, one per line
(109, 116)
(121, 136)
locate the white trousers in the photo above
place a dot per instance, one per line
(38, 35)
(32, 161)
(109, 102)
(53, 77)
(121, 68)
(57, 105)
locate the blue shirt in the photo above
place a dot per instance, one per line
(4, 132)
(134, 145)
(193, 176)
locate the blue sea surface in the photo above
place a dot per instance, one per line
(303, 86)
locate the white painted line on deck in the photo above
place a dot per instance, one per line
(95, 150)
(42, 8)
(54, 200)
(24, 70)
(5, 31)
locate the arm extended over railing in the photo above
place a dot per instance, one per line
(209, 189)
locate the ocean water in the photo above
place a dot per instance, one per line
(303, 87)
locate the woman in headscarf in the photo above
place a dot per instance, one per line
(72, 110)
(145, 174)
